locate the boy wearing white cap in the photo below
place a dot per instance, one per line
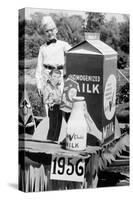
(51, 54)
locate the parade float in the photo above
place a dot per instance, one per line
(91, 140)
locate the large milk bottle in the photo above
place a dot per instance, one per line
(76, 137)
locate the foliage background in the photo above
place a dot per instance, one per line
(71, 28)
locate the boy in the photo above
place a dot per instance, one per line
(51, 54)
(52, 98)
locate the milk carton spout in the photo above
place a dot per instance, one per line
(92, 36)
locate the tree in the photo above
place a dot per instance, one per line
(113, 33)
(110, 33)
(71, 29)
(94, 21)
(124, 34)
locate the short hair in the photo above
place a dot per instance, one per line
(56, 71)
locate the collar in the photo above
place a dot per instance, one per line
(53, 86)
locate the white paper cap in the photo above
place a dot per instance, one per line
(47, 20)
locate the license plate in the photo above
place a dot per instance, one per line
(67, 168)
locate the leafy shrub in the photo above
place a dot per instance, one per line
(36, 100)
(123, 95)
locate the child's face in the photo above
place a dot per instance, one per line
(50, 31)
(55, 78)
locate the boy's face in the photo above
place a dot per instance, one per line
(50, 31)
(55, 78)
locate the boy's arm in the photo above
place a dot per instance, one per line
(58, 97)
(46, 95)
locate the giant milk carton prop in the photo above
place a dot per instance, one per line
(92, 63)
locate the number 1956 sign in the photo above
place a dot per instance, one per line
(67, 168)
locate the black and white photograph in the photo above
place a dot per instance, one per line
(73, 107)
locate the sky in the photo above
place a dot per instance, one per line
(29, 11)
